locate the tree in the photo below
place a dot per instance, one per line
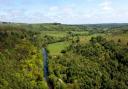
(119, 40)
(63, 51)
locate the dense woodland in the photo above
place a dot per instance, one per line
(79, 56)
(20, 60)
(100, 64)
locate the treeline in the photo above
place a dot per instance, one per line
(95, 28)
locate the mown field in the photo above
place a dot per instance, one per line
(54, 33)
(56, 48)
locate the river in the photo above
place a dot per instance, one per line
(45, 59)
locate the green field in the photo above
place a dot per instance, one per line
(85, 39)
(81, 33)
(55, 48)
(123, 38)
(54, 33)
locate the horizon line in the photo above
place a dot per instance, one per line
(9, 22)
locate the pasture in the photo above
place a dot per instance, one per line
(56, 48)
(122, 37)
(54, 33)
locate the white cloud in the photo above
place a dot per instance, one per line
(54, 8)
(106, 5)
(61, 12)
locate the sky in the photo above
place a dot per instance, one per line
(64, 11)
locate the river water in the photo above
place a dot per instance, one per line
(45, 60)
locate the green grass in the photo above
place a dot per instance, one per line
(55, 48)
(54, 33)
(85, 39)
(81, 32)
(115, 38)
(122, 37)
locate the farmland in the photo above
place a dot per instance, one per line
(56, 48)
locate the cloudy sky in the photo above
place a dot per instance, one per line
(64, 11)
